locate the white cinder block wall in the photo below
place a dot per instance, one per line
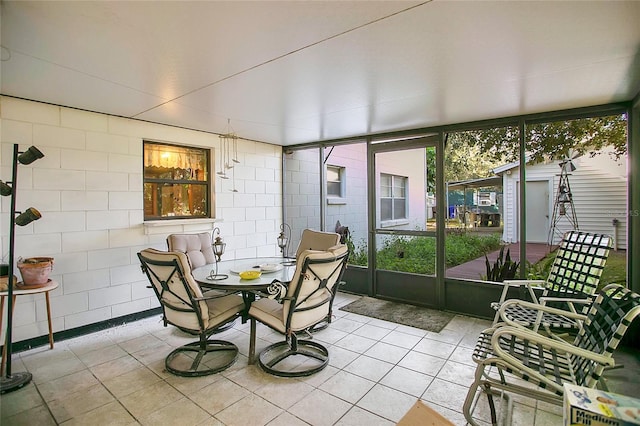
(351, 210)
(302, 188)
(88, 188)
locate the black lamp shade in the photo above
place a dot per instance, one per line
(5, 189)
(28, 216)
(30, 155)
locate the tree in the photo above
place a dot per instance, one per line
(471, 155)
(474, 154)
(558, 140)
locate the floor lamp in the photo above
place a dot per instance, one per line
(12, 381)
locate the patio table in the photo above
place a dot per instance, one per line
(271, 268)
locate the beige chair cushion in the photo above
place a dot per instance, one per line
(316, 240)
(221, 309)
(269, 312)
(274, 314)
(197, 247)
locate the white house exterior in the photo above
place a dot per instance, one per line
(599, 190)
(351, 208)
(302, 183)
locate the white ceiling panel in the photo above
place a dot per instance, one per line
(31, 78)
(290, 72)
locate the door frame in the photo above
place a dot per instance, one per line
(517, 204)
(417, 289)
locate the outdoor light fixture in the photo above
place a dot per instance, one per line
(30, 155)
(218, 244)
(283, 238)
(11, 381)
(5, 189)
(283, 242)
(218, 250)
(28, 216)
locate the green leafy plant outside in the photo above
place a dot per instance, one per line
(503, 268)
(417, 254)
(357, 254)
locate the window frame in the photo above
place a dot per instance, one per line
(342, 175)
(206, 183)
(405, 184)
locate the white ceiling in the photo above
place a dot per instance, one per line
(290, 72)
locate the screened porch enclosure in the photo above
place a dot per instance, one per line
(418, 208)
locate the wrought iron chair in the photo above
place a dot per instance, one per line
(573, 280)
(307, 300)
(316, 240)
(199, 251)
(185, 307)
(506, 355)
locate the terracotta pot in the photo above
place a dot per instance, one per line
(35, 270)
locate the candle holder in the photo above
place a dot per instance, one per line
(218, 250)
(283, 242)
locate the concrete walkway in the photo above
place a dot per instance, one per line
(476, 269)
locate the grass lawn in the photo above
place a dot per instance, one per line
(417, 255)
(615, 270)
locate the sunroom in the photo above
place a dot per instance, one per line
(376, 117)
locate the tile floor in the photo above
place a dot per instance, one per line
(377, 372)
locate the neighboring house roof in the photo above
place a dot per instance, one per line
(509, 166)
(501, 169)
(476, 183)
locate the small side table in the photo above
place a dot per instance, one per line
(17, 291)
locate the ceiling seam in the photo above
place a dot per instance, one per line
(74, 70)
(284, 55)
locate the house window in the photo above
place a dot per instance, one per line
(335, 181)
(176, 181)
(393, 197)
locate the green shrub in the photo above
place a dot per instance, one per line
(418, 254)
(540, 270)
(357, 255)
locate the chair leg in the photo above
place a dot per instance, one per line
(206, 356)
(320, 325)
(482, 385)
(492, 405)
(471, 396)
(271, 357)
(479, 387)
